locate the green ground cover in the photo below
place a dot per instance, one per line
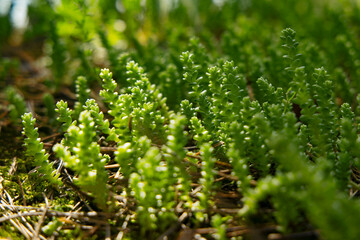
(180, 120)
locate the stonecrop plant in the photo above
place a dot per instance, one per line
(262, 141)
(187, 120)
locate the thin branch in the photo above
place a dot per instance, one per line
(86, 216)
(173, 227)
(50, 136)
(108, 149)
(22, 191)
(123, 228)
(41, 220)
(112, 166)
(107, 232)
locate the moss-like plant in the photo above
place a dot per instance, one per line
(35, 149)
(17, 105)
(204, 115)
(80, 152)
